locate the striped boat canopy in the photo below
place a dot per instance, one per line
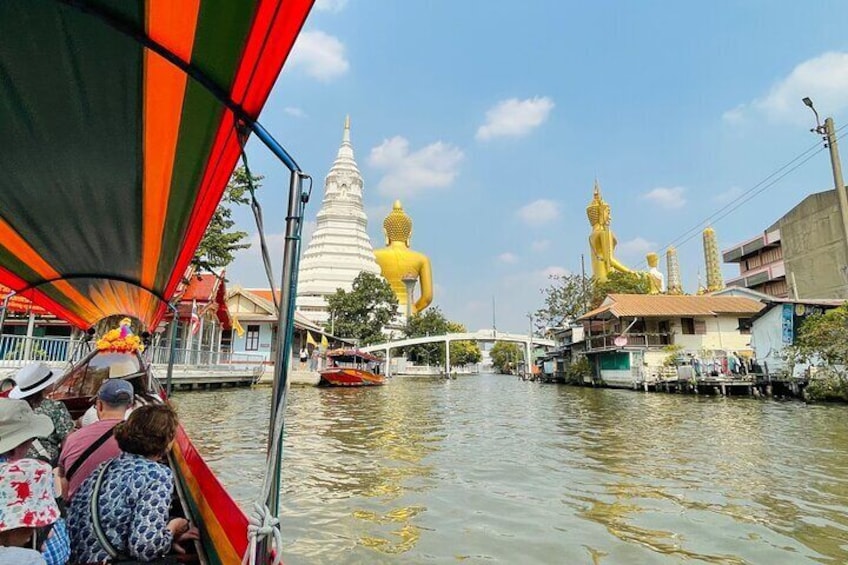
(118, 134)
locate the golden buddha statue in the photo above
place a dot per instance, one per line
(602, 241)
(656, 280)
(402, 266)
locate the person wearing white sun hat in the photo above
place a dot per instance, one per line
(30, 384)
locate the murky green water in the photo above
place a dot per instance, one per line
(489, 469)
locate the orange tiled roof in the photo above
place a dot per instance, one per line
(621, 305)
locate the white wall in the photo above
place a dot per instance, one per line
(722, 333)
(767, 339)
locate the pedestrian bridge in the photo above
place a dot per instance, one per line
(480, 336)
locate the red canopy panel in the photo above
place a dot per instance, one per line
(114, 159)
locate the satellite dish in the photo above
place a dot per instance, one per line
(620, 341)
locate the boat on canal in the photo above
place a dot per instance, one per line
(351, 367)
(122, 124)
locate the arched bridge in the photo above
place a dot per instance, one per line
(484, 336)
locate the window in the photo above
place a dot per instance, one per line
(688, 326)
(744, 326)
(251, 340)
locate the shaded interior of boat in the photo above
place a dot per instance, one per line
(77, 388)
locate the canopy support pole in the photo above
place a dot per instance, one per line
(282, 354)
(173, 349)
(5, 307)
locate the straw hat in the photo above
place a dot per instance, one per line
(18, 423)
(27, 499)
(33, 378)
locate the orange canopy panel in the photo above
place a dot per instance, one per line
(114, 158)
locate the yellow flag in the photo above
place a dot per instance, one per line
(237, 327)
(311, 340)
(324, 342)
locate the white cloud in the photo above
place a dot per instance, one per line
(823, 78)
(668, 198)
(334, 6)
(508, 257)
(539, 211)
(514, 117)
(540, 245)
(406, 173)
(294, 111)
(635, 249)
(321, 55)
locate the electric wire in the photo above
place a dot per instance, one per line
(767, 182)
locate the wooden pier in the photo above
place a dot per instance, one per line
(210, 377)
(750, 385)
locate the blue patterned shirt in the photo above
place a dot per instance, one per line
(135, 497)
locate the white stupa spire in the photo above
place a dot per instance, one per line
(340, 247)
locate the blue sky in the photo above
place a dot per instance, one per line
(490, 121)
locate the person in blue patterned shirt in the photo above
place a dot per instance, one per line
(135, 495)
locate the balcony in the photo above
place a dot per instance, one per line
(607, 342)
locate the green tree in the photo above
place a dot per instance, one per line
(219, 244)
(619, 283)
(566, 299)
(505, 356)
(463, 352)
(363, 312)
(433, 322)
(822, 340)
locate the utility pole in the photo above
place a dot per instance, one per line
(583, 283)
(494, 327)
(828, 132)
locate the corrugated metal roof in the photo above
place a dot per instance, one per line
(657, 305)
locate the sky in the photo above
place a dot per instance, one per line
(490, 121)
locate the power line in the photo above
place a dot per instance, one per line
(763, 185)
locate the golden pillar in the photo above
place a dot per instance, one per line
(673, 269)
(401, 266)
(715, 281)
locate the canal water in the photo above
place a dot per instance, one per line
(490, 469)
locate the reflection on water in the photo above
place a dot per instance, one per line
(491, 469)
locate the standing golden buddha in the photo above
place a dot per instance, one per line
(602, 241)
(401, 265)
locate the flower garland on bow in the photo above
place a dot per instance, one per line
(121, 339)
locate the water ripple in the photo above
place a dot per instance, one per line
(490, 469)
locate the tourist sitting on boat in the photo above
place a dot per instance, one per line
(31, 382)
(29, 512)
(132, 496)
(91, 445)
(138, 381)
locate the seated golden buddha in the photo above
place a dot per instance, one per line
(400, 264)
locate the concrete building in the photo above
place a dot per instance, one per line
(803, 254)
(761, 266)
(628, 337)
(340, 248)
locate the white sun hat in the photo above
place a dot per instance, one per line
(18, 423)
(33, 378)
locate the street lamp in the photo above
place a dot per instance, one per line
(828, 132)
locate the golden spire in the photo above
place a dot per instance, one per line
(673, 267)
(593, 210)
(712, 262)
(398, 225)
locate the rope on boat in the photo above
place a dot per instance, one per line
(257, 214)
(262, 525)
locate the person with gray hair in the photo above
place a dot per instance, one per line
(91, 445)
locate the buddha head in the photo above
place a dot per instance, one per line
(397, 225)
(653, 260)
(598, 211)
